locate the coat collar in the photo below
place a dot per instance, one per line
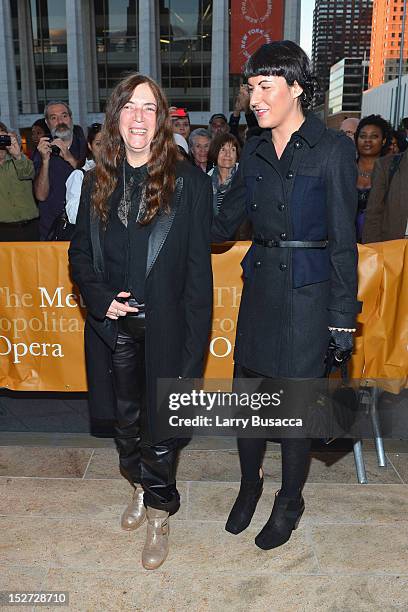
(162, 227)
(157, 238)
(311, 130)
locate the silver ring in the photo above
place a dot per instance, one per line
(117, 312)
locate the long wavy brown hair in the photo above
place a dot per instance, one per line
(161, 178)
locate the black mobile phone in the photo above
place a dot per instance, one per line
(132, 302)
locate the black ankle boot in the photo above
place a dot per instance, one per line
(284, 518)
(243, 510)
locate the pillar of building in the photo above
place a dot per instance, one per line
(91, 64)
(76, 61)
(219, 101)
(291, 27)
(29, 100)
(149, 39)
(8, 80)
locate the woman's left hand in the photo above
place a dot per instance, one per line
(119, 309)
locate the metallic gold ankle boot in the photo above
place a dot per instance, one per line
(135, 512)
(156, 546)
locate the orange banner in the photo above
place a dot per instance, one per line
(41, 319)
(253, 23)
(42, 316)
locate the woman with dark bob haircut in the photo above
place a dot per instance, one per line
(140, 256)
(296, 181)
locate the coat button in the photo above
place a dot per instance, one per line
(281, 207)
(283, 236)
(298, 144)
(290, 174)
(259, 178)
(254, 206)
(283, 266)
(257, 264)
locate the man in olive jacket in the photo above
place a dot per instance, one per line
(387, 207)
(18, 210)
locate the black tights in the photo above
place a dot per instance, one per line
(295, 451)
(295, 461)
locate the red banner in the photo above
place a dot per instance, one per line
(253, 23)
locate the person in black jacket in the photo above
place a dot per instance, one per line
(140, 256)
(296, 182)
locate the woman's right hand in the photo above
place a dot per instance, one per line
(118, 309)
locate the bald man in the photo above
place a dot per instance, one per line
(349, 127)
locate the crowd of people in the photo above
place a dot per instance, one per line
(60, 155)
(147, 195)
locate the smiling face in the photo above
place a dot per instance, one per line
(227, 157)
(370, 141)
(137, 124)
(273, 101)
(200, 148)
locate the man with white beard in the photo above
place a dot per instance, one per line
(54, 161)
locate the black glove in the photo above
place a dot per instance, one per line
(340, 349)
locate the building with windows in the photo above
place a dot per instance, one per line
(383, 100)
(341, 29)
(77, 50)
(348, 80)
(386, 41)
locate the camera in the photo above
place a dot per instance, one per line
(5, 141)
(56, 151)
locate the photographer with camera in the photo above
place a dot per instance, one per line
(54, 160)
(18, 211)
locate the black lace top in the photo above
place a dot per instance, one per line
(126, 241)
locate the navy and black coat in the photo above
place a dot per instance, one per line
(292, 295)
(178, 292)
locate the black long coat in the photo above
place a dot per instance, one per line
(178, 292)
(292, 295)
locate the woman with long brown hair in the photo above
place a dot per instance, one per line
(140, 256)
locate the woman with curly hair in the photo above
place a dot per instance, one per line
(140, 256)
(373, 139)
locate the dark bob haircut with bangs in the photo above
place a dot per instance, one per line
(285, 58)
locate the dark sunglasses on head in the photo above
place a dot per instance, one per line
(95, 127)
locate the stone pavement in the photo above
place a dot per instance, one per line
(61, 497)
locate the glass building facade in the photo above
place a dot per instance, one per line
(40, 25)
(77, 50)
(116, 39)
(185, 52)
(348, 80)
(341, 28)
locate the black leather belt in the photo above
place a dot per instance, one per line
(292, 244)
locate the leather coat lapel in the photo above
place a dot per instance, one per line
(161, 228)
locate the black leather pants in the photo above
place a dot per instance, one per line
(152, 466)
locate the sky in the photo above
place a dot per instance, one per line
(306, 25)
